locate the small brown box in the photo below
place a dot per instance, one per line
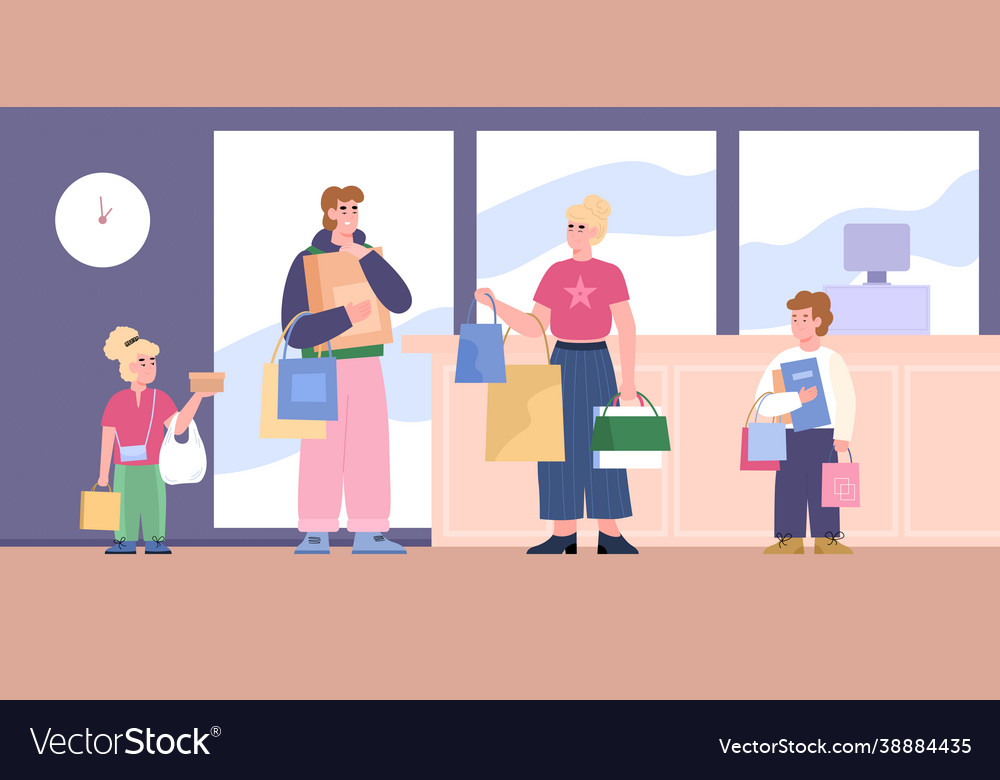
(207, 383)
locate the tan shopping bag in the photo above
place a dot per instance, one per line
(271, 427)
(100, 511)
(524, 415)
(336, 279)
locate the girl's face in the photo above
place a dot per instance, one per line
(578, 234)
(145, 368)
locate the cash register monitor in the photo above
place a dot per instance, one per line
(877, 248)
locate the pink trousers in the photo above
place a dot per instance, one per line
(353, 459)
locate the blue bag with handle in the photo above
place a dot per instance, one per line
(307, 387)
(480, 351)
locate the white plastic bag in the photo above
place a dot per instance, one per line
(182, 463)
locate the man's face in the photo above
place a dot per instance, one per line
(346, 214)
(803, 324)
(578, 234)
(144, 368)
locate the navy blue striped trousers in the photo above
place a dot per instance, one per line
(588, 380)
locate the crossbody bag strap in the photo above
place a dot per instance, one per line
(151, 413)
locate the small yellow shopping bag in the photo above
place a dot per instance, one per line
(100, 511)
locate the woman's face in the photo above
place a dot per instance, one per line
(144, 368)
(578, 234)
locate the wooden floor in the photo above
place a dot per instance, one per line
(494, 623)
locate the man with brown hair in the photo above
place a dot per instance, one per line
(352, 462)
(798, 484)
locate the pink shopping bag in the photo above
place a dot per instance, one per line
(842, 484)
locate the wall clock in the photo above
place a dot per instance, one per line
(102, 219)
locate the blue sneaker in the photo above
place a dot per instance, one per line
(157, 547)
(121, 547)
(375, 544)
(315, 543)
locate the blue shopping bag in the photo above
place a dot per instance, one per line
(480, 351)
(307, 387)
(765, 441)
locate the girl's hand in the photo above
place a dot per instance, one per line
(481, 294)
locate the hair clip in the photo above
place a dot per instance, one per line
(131, 341)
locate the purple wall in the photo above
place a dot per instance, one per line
(56, 312)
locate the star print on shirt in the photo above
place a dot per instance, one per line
(580, 293)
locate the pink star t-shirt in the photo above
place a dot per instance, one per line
(580, 295)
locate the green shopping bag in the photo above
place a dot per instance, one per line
(631, 434)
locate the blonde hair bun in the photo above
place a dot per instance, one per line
(599, 207)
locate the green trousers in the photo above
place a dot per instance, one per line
(144, 496)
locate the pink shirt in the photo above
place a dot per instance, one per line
(131, 422)
(580, 294)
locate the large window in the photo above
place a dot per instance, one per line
(798, 191)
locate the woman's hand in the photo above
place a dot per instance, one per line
(102, 482)
(203, 395)
(481, 294)
(628, 393)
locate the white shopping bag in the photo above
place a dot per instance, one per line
(182, 463)
(626, 460)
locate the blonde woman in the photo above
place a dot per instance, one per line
(132, 431)
(578, 298)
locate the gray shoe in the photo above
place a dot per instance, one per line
(375, 544)
(315, 543)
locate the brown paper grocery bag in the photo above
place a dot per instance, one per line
(100, 511)
(524, 415)
(779, 387)
(335, 279)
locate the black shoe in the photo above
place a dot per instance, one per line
(555, 545)
(614, 545)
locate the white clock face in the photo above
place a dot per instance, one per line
(102, 219)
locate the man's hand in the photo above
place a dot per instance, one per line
(358, 311)
(806, 394)
(840, 445)
(357, 250)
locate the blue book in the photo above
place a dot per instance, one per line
(805, 373)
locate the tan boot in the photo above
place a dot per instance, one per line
(787, 546)
(830, 546)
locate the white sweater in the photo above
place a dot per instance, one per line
(837, 387)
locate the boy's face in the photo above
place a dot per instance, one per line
(803, 324)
